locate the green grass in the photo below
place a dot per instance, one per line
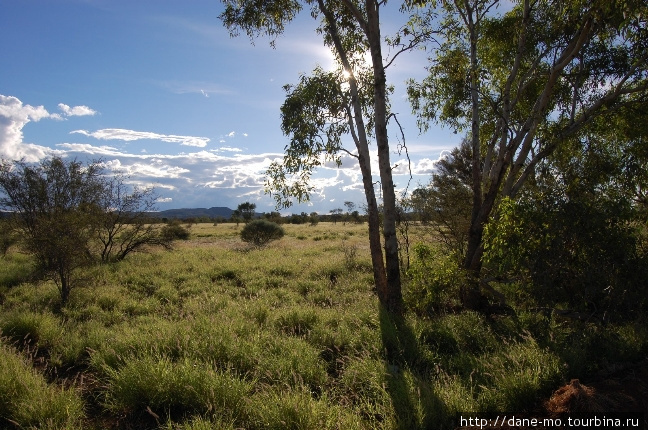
(215, 334)
(28, 401)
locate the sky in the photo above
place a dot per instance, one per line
(159, 91)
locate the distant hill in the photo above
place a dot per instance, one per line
(182, 213)
(194, 213)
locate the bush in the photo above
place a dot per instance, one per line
(259, 232)
(8, 236)
(584, 254)
(434, 280)
(174, 231)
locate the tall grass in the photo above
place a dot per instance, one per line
(215, 334)
(28, 401)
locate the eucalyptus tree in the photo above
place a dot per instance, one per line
(524, 81)
(324, 107)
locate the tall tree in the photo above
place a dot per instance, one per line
(323, 107)
(525, 81)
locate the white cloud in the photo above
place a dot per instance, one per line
(130, 135)
(184, 174)
(203, 178)
(76, 110)
(228, 149)
(13, 117)
(84, 148)
(194, 87)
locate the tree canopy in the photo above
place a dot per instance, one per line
(524, 82)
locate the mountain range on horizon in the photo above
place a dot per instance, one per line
(213, 212)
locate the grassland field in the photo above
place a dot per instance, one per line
(217, 335)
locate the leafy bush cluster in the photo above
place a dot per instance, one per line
(259, 232)
(434, 281)
(582, 255)
(174, 230)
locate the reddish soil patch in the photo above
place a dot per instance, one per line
(624, 390)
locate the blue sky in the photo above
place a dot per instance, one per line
(158, 90)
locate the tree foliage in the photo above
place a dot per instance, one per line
(525, 82)
(577, 231)
(57, 204)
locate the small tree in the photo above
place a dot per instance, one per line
(448, 199)
(314, 218)
(336, 214)
(246, 210)
(124, 226)
(57, 205)
(260, 232)
(350, 208)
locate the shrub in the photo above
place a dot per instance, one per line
(581, 253)
(174, 231)
(434, 281)
(8, 236)
(260, 232)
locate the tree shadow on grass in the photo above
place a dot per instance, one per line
(409, 377)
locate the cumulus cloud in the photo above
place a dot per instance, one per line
(203, 178)
(131, 135)
(232, 134)
(189, 179)
(76, 110)
(14, 115)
